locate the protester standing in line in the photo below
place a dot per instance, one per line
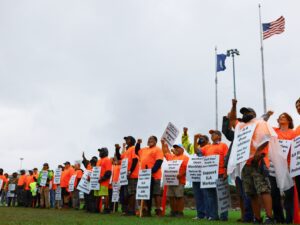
(21, 188)
(75, 194)
(12, 190)
(151, 157)
(176, 192)
(44, 188)
(28, 196)
(64, 183)
(199, 193)
(216, 148)
(128, 191)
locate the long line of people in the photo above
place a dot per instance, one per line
(254, 185)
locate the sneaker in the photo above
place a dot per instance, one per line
(179, 214)
(269, 221)
(257, 221)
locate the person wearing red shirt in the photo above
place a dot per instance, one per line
(176, 193)
(151, 157)
(2, 188)
(127, 192)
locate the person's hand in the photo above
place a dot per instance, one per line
(185, 130)
(163, 142)
(234, 102)
(270, 112)
(124, 145)
(197, 136)
(139, 141)
(117, 146)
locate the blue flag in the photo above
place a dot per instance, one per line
(221, 62)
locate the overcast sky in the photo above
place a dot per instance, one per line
(79, 75)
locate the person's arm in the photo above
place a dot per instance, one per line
(117, 151)
(138, 146)
(226, 129)
(232, 114)
(186, 142)
(196, 146)
(85, 162)
(267, 115)
(106, 176)
(133, 165)
(165, 148)
(156, 166)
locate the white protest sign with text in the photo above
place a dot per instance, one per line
(115, 192)
(243, 142)
(123, 172)
(171, 171)
(143, 185)
(57, 175)
(95, 176)
(84, 184)
(72, 183)
(1, 184)
(295, 158)
(223, 195)
(58, 193)
(170, 135)
(209, 171)
(193, 172)
(44, 178)
(285, 147)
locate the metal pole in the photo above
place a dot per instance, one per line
(233, 68)
(262, 62)
(216, 82)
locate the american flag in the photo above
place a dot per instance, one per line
(275, 27)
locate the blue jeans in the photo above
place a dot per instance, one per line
(52, 198)
(212, 201)
(248, 214)
(200, 197)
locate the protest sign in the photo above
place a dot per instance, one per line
(171, 171)
(193, 172)
(95, 176)
(209, 171)
(44, 178)
(285, 147)
(123, 172)
(170, 135)
(84, 184)
(71, 183)
(115, 192)
(58, 194)
(143, 185)
(57, 175)
(243, 142)
(295, 158)
(12, 187)
(223, 195)
(81, 195)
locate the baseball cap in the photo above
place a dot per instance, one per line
(132, 139)
(67, 163)
(247, 110)
(215, 132)
(178, 146)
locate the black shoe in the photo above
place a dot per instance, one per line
(269, 221)
(173, 214)
(257, 221)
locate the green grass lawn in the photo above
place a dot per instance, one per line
(27, 216)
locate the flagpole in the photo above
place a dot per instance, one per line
(262, 61)
(216, 82)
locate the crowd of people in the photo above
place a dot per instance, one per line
(255, 185)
